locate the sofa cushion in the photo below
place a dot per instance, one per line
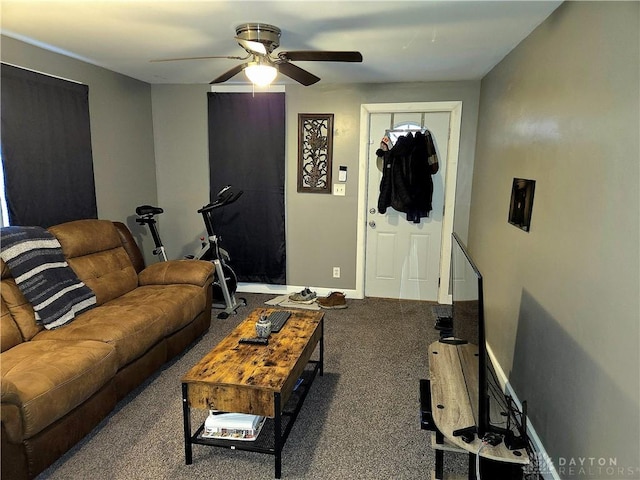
(10, 335)
(94, 250)
(82, 237)
(20, 309)
(131, 327)
(51, 378)
(43, 275)
(174, 305)
(196, 272)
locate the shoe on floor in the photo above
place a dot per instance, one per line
(304, 296)
(333, 301)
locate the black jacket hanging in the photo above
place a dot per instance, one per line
(394, 186)
(406, 183)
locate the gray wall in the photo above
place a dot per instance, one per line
(150, 145)
(182, 164)
(321, 229)
(562, 301)
(121, 129)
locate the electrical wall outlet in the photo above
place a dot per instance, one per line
(339, 189)
(336, 272)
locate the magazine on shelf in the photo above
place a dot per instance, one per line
(232, 426)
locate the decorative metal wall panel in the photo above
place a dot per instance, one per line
(315, 151)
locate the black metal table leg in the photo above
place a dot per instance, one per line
(472, 465)
(186, 413)
(321, 370)
(439, 456)
(277, 432)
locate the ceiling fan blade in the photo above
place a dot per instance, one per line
(196, 58)
(297, 74)
(321, 56)
(228, 74)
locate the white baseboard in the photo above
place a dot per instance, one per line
(283, 289)
(549, 472)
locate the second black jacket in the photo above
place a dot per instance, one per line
(406, 183)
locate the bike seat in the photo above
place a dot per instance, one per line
(148, 210)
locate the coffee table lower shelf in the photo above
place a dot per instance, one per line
(275, 431)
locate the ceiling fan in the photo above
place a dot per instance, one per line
(260, 40)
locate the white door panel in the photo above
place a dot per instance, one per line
(419, 253)
(402, 258)
(386, 242)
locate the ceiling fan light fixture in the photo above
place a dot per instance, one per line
(260, 40)
(260, 74)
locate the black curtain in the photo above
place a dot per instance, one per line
(247, 150)
(46, 149)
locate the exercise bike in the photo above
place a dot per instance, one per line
(225, 281)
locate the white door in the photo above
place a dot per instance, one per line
(402, 258)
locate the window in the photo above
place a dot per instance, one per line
(4, 213)
(252, 159)
(46, 149)
(402, 129)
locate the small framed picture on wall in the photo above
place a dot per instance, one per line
(521, 204)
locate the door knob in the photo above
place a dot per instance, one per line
(372, 211)
(372, 224)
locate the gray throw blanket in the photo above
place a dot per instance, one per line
(43, 275)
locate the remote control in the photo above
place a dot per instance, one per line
(255, 341)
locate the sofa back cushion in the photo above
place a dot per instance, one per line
(10, 335)
(16, 308)
(130, 246)
(95, 252)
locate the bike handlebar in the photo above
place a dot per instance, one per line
(225, 197)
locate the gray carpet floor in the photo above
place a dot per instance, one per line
(359, 421)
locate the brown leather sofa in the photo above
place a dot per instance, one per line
(57, 385)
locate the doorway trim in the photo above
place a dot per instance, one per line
(455, 119)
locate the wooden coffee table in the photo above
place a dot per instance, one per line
(256, 379)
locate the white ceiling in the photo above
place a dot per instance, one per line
(401, 41)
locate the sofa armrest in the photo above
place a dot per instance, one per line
(196, 272)
(10, 404)
(9, 393)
